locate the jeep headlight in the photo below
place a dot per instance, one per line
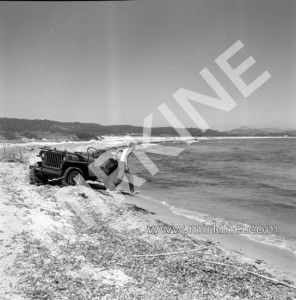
(64, 158)
(42, 155)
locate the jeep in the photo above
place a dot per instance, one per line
(66, 166)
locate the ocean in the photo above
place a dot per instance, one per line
(236, 181)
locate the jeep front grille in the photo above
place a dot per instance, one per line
(53, 160)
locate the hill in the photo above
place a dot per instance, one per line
(17, 129)
(23, 129)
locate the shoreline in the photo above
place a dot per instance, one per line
(117, 140)
(275, 258)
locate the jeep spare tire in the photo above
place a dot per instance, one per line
(71, 176)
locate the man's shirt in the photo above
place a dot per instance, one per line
(124, 157)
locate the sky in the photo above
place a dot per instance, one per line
(116, 62)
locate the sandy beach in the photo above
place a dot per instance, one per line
(275, 260)
(82, 243)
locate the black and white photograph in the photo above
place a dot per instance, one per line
(148, 150)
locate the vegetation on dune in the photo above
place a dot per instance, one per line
(12, 154)
(76, 272)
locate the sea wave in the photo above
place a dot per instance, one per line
(269, 239)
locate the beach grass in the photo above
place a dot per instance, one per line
(10, 153)
(100, 263)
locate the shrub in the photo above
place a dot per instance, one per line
(12, 154)
(10, 136)
(31, 135)
(86, 136)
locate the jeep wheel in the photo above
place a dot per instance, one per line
(70, 176)
(34, 179)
